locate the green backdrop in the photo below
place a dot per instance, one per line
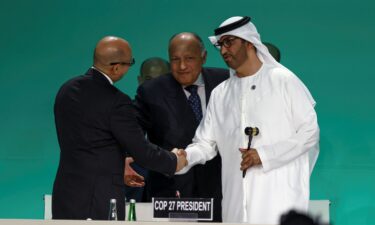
(328, 44)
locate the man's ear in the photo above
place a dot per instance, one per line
(140, 79)
(204, 56)
(116, 69)
(250, 45)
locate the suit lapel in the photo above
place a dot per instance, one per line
(177, 102)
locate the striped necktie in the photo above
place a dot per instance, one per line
(195, 101)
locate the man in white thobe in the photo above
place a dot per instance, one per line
(264, 94)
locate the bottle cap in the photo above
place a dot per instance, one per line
(113, 200)
(132, 200)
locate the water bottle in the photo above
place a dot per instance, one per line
(112, 210)
(125, 209)
(132, 215)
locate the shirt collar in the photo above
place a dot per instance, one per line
(105, 75)
(199, 82)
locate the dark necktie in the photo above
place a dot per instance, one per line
(195, 101)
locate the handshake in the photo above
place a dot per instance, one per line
(181, 158)
(133, 179)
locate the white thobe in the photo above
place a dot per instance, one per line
(283, 110)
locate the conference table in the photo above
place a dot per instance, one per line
(92, 222)
(144, 214)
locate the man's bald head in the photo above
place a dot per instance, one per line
(186, 56)
(111, 50)
(188, 36)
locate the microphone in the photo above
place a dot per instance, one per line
(251, 132)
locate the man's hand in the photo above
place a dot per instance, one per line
(250, 158)
(132, 178)
(181, 158)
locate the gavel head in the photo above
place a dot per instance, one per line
(253, 131)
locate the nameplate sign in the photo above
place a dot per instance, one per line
(183, 208)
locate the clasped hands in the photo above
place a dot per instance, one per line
(133, 179)
(250, 158)
(181, 158)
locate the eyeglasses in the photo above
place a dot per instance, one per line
(132, 62)
(227, 42)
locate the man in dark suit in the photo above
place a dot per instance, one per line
(96, 125)
(168, 118)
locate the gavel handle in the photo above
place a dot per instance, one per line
(248, 148)
(243, 174)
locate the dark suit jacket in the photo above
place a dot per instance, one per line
(165, 114)
(95, 125)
